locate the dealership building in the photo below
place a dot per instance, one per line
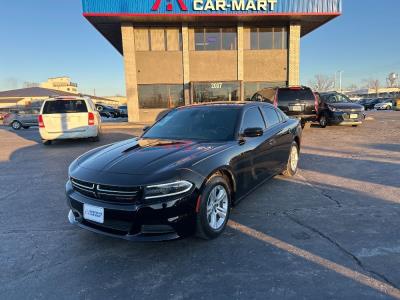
(179, 52)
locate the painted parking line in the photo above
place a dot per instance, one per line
(344, 271)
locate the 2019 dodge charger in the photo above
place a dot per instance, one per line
(183, 175)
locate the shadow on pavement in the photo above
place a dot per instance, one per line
(305, 216)
(385, 147)
(377, 172)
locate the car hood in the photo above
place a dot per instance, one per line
(148, 156)
(346, 106)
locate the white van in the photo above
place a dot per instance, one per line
(69, 118)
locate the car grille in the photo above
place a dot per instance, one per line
(107, 193)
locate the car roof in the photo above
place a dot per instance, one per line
(237, 104)
(66, 98)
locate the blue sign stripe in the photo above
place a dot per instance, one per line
(175, 7)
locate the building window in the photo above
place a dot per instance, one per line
(214, 39)
(158, 39)
(160, 96)
(215, 91)
(268, 38)
(250, 88)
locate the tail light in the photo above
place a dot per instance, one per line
(41, 123)
(316, 103)
(6, 116)
(276, 99)
(91, 119)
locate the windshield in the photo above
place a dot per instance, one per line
(197, 123)
(338, 98)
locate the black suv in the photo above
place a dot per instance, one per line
(299, 102)
(337, 109)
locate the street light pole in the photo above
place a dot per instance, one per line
(340, 80)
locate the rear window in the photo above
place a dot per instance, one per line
(65, 107)
(293, 95)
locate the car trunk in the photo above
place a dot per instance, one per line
(70, 122)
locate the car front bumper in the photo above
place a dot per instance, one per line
(343, 118)
(167, 220)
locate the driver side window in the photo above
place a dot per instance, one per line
(252, 119)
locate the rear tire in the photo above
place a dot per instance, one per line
(215, 206)
(96, 138)
(293, 161)
(47, 143)
(16, 125)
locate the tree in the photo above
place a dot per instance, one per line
(322, 83)
(373, 84)
(353, 87)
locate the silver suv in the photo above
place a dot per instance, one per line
(22, 119)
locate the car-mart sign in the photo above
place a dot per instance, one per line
(234, 5)
(209, 7)
(220, 5)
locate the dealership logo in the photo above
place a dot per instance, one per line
(220, 5)
(170, 6)
(234, 5)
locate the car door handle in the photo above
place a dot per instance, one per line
(271, 142)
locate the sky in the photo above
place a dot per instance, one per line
(49, 38)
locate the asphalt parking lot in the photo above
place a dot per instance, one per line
(332, 232)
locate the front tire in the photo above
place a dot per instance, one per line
(16, 125)
(323, 121)
(47, 143)
(215, 206)
(293, 161)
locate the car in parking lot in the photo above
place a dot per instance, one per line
(123, 111)
(385, 104)
(369, 105)
(337, 109)
(107, 111)
(69, 118)
(296, 101)
(21, 118)
(184, 173)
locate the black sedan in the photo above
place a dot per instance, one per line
(183, 175)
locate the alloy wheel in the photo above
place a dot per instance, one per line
(16, 125)
(322, 121)
(294, 158)
(217, 207)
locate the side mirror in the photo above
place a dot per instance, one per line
(253, 132)
(146, 128)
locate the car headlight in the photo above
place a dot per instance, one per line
(167, 189)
